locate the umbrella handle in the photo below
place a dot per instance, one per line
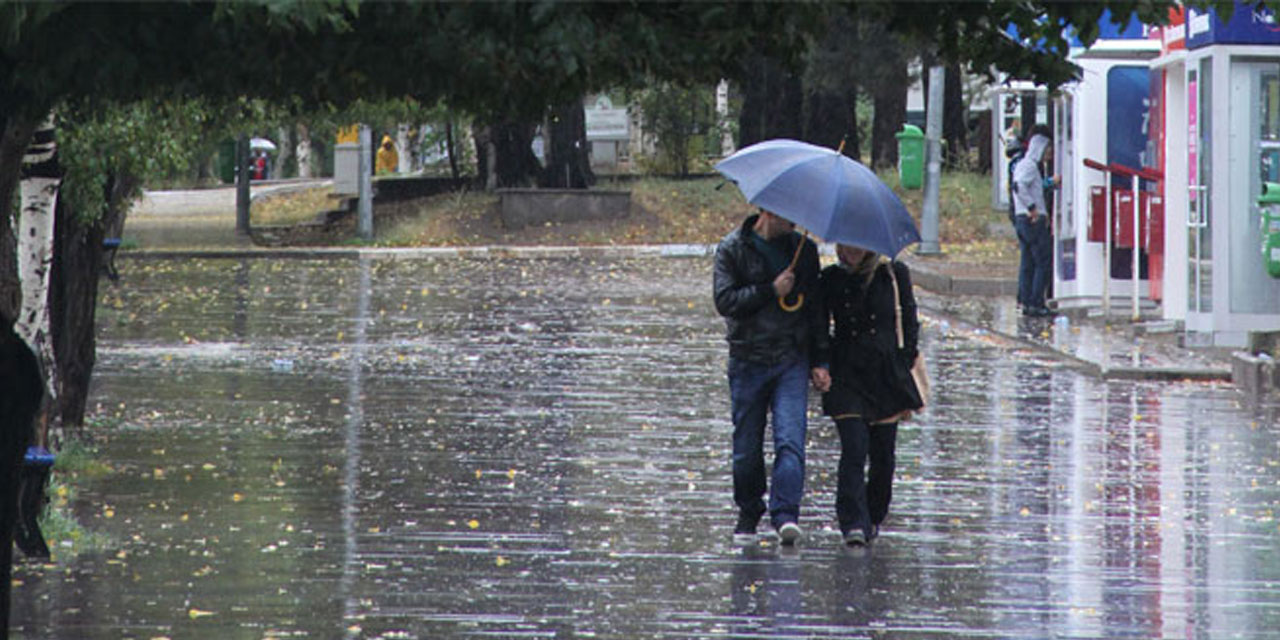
(796, 257)
(782, 301)
(791, 308)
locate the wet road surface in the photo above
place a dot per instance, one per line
(539, 449)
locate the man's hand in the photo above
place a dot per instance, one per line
(821, 378)
(1033, 215)
(784, 282)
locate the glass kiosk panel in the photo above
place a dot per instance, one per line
(1199, 165)
(1255, 158)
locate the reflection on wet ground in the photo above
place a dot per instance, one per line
(538, 448)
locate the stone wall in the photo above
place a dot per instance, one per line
(533, 207)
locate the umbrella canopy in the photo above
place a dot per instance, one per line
(261, 144)
(822, 190)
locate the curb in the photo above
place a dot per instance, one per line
(941, 283)
(416, 253)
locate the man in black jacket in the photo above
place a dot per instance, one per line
(766, 278)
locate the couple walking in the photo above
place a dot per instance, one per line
(846, 330)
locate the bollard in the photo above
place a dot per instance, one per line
(36, 466)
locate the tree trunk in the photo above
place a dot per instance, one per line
(568, 164)
(404, 159)
(451, 148)
(889, 98)
(484, 151)
(984, 141)
(286, 153)
(73, 296)
(13, 145)
(829, 119)
(1028, 110)
(853, 148)
(955, 120)
(303, 150)
(506, 154)
(772, 103)
(20, 394)
(41, 178)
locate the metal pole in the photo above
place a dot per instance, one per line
(364, 219)
(933, 163)
(1136, 230)
(1106, 249)
(242, 185)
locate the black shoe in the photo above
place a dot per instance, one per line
(855, 538)
(746, 524)
(1037, 312)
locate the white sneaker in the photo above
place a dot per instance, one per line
(855, 538)
(789, 532)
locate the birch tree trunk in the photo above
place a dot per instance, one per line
(14, 140)
(303, 150)
(287, 151)
(402, 143)
(40, 178)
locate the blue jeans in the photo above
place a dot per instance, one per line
(756, 390)
(1037, 258)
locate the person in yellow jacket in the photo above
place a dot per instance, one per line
(388, 159)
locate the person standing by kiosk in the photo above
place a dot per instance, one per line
(1031, 221)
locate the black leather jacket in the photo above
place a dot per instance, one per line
(756, 326)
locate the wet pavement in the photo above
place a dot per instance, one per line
(538, 448)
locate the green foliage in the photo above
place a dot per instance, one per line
(102, 148)
(682, 121)
(974, 32)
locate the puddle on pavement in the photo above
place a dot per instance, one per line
(538, 448)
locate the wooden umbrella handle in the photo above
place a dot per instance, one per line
(782, 301)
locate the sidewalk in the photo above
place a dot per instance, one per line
(1116, 349)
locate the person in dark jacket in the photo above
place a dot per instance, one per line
(766, 286)
(864, 391)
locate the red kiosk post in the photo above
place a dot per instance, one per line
(1138, 238)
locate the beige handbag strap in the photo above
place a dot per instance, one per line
(897, 306)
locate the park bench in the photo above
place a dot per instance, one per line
(109, 248)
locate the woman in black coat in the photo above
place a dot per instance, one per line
(868, 386)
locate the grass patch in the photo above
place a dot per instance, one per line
(64, 534)
(664, 210)
(291, 207)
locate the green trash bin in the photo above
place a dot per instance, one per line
(1269, 210)
(910, 156)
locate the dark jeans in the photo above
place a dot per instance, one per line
(862, 494)
(1037, 259)
(757, 390)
